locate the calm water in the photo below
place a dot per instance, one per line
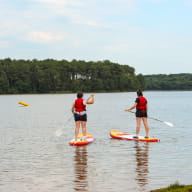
(34, 159)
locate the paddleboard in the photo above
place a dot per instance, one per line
(127, 136)
(89, 139)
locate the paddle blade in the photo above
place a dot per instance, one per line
(59, 132)
(168, 123)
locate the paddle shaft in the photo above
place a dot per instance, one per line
(151, 118)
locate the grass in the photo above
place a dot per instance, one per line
(175, 188)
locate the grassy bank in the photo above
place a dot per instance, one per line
(175, 188)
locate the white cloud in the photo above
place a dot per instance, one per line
(81, 21)
(90, 13)
(5, 44)
(43, 37)
(61, 2)
(116, 48)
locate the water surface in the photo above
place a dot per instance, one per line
(34, 159)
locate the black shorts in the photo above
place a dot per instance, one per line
(78, 117)
(141, 113)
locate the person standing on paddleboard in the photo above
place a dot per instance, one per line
(80, 115)
(141, 113)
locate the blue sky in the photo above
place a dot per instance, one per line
(153, 36)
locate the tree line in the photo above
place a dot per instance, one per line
(54, 76)
(48, 76)
(182, 81)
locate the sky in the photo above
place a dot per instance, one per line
(153, 36)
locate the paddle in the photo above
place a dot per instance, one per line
(59, 131)
(167, 123)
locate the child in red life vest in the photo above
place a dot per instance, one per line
(80, 115)
(141, 113)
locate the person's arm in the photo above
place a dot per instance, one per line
(91, 99)
(73, 108)
(132, 107)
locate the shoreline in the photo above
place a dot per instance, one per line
(68, 92)
(175, 188)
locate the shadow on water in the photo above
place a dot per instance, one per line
(80, 169)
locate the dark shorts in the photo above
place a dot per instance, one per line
(78, 117)
(141, 113)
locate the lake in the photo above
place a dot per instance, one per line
(34, 159)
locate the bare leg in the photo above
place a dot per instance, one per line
(146, 126)
(77, 123)
(138, 120)
(83, 124)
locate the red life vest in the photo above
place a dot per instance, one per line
(142, 103)
(79, 106)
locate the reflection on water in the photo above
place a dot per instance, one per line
(142, 150)
(80, 169)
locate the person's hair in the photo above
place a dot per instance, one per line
(139, 93)
(79, 95)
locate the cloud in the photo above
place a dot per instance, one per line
(61, 2)
(116, 48)
(42, 37)
(91, 13)
(5, 44)
(75, 11)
